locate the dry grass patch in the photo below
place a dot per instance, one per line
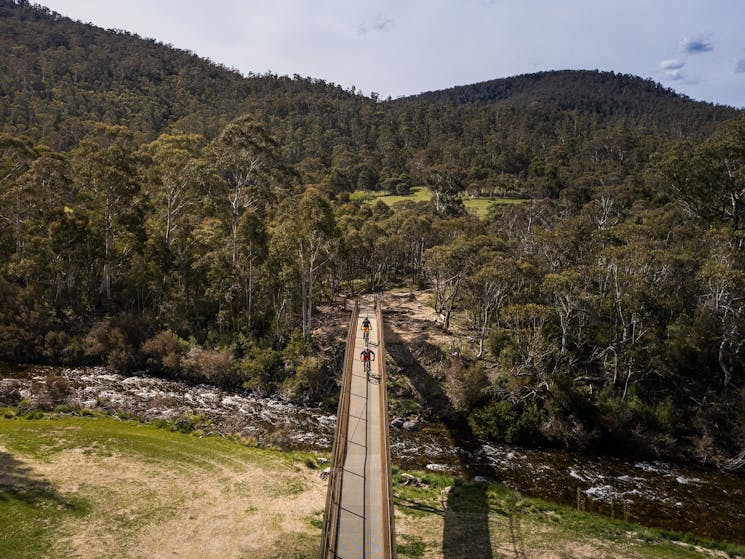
(155, 494)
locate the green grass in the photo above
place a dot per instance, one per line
(117, 482)
(31, 513)
(41, 508)
(462, 515)
(479, 206)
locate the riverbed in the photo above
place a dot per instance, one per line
(707, 502)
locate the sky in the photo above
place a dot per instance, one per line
(403, 47)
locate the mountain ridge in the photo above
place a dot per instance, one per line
(152, 87)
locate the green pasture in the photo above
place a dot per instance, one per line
(423, 194)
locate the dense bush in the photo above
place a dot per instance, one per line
(505, 421)
(212, 366)
(165, 352)
(261, 370)
(309, 381)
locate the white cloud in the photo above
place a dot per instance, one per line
(672, 64)
(673, 75)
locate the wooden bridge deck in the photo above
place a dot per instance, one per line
(359, 512)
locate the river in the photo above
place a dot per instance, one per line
(707, 502)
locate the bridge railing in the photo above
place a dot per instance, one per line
(333, 495)
(390, 535)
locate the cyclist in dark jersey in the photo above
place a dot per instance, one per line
(367, 356)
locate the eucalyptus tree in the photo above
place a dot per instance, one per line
(303, 240)
(488, 287)
(724, 156)
(415, 232)
(171, 181)
(447, 184)
(16, 157)
(247, 172)
(447, 266)
(722, 279)
(106, 172)
(46, 189)
(528, 354)
(253, 250)
(172, 175)
(708, 179)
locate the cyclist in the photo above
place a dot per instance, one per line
(366, 330)
(368, 356)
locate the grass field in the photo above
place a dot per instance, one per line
(423, 194)
(100, 487)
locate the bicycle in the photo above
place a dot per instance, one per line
(367, 356)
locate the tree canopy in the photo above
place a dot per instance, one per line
(160, 211)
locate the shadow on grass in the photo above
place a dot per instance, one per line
(466, 515)
(411, 504)
(466, 523)
(18, 482)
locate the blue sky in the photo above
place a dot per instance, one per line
(401, 47)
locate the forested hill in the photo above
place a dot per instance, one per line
(58, 76)
(607, 96)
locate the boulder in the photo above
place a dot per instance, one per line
(411, 425)
(411, 481)
(408, 479)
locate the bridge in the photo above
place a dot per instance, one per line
(358, 521)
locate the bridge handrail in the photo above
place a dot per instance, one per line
(333, 496)
(390, 536)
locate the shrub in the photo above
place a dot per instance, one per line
(497, 341)
(108, 343)
(190, 423)
(55, 344)
(503, 421)
(7, 413)
(493, 421)
(62, 408)
(296, 350)
(465, 383)
(261, 370)
(73, 352)
(309, 379)
(666, 416)
(165, 351)
(160, 423)
(211, 366)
